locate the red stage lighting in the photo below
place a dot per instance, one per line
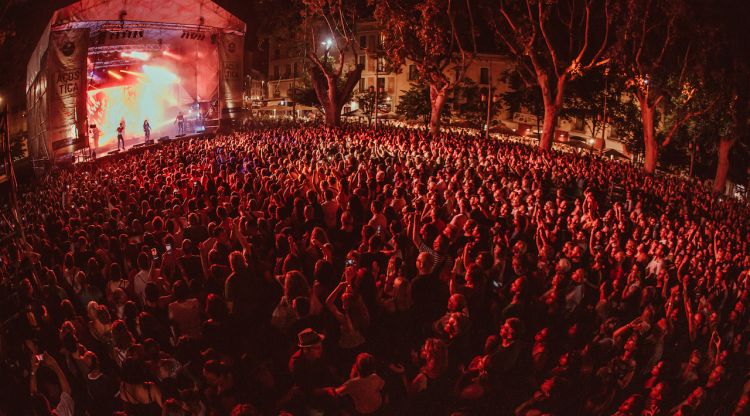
(114, 74)
(172, 55)
(143, 56)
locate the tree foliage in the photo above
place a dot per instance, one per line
(366, 101)
(661, 59)
(720, 138)
(332, 80)
(470, 102)
(414, 104)
(438, 36)
(553, 43)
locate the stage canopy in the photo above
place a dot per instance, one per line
(108, 62)
(187, 12)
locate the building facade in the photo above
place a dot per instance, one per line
(287, 68)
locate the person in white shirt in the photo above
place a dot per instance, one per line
(364, 386)
(656, 264)
(66, 404)
(141, 279)
(330, 209)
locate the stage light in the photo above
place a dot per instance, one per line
(143, 56)
(172, 55)
(114, 74)
(159, 74)
(137, 74)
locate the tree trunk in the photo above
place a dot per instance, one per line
(548, 127)
(649, 137)
(333, 107)
(722, 166)
(333, 115)
(553, 102)
(437, 102)
(331, 98)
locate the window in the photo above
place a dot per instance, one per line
(361, 85)
(296, 70)
(276, 73)
(381, 64)
(381, 84)
(288, 71)
(578, 124)
(276, 53)
(484, 75)
(363, 42)
(413, 73)
(362, 61)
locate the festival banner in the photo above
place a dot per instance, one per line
(230, 80)
(66, 83)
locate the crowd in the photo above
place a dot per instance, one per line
(308, 271)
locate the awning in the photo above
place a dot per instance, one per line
(502, 129)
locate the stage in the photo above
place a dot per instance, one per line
(105, 67)
(136, 145)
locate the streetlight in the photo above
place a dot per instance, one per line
(489, 101)
(327, 43)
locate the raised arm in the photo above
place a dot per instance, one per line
(331, 301)
(415, 225)
(241, 237)
(591, 237)
(50, 362)
(688, 310)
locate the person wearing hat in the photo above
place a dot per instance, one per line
(311, 374)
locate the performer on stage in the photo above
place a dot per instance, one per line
(120, 138)
(95, 133)
(146, 131)
(180, 121)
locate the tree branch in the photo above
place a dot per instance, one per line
(551, 50)
(605, 41)
(667, 42)
(643, 37)
(685, 118)
(585, 46)
(507, 18)
(681, 79)
(533, 27)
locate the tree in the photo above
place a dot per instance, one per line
(366, 102)
(304, 93)
(471, 103)
(522, 97)
(331, 79)
(553, 43)
(438, 36)
(726, 86)
(415, 104)
(624, 118)
(663, 66)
